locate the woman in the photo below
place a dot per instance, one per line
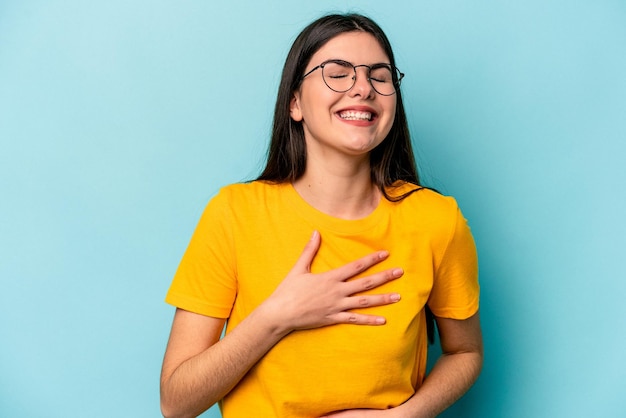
(339, 328)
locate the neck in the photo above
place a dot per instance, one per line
(345, 192)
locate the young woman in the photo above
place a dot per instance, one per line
(338, 328)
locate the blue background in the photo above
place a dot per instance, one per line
(119, 120)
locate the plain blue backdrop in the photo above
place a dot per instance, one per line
(119, 120)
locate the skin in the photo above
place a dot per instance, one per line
(337, 176)
(199, 368)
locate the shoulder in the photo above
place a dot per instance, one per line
(427, 213)
(250, 190)
(251, 196)
(424, 201)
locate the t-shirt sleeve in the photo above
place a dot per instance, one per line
(455, 292)
(205, 281)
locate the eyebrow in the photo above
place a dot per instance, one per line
(350, 62)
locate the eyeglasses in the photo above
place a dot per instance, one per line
(340, 76)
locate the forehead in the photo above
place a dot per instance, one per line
(355, 47)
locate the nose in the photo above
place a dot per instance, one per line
(362, 85)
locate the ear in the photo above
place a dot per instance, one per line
(294, 108)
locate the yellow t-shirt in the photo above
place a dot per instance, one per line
(249, 238)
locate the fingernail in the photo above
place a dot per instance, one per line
(394, 297)
(398, 272)
(380, 321)
(383, 254)
(314, 234)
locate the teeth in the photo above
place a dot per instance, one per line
(355, 115)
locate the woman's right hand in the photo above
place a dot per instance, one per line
(304, 300)
(199, 368)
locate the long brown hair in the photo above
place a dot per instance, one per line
(390, 161)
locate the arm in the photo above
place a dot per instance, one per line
(455, 371)
(453, 374)
(199, 369)
(455, 289)
(455, 284)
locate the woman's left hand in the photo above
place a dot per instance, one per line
(361, 413)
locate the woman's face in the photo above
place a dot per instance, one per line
(350, 123)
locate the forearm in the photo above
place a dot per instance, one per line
(202, 380)
(450, 378)
(199, 369)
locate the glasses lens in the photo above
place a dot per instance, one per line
(338, 76)
(382, 79)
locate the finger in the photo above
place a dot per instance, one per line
(372, 281)
(358, 319)
(308, 253)
(359, 266)
(368, 301)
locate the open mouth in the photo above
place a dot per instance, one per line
(356, 115)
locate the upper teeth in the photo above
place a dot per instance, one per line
(355, 115)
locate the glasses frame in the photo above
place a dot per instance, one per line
(396, 74)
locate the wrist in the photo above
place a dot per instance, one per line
(268, 318)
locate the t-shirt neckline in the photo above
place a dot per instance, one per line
(322, 220)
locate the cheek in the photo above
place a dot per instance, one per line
(391, 113)
(392, 106)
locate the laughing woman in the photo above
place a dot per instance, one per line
(326, 269)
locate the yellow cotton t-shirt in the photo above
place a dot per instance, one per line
(248, 239)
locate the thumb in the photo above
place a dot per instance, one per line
(303, 265)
